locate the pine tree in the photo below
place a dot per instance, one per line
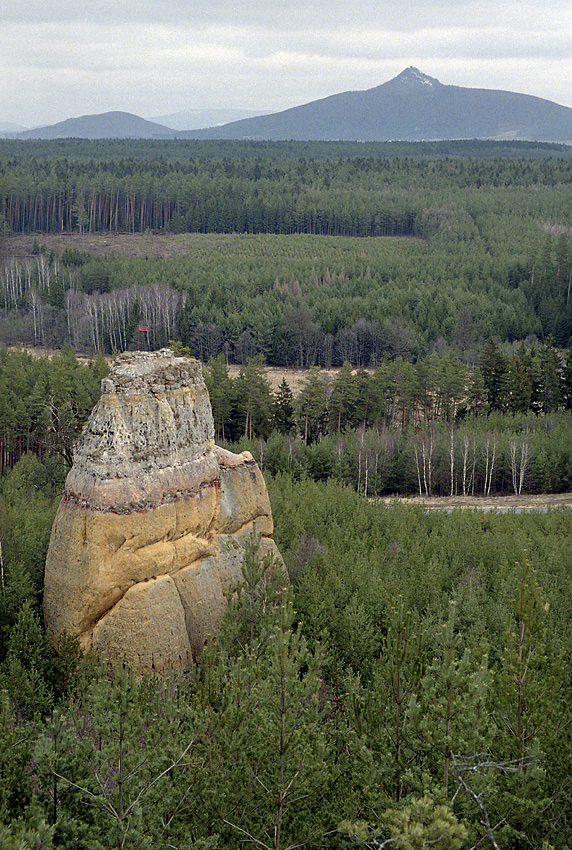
(285, 744)
(551, 369)
(343, 400)
(253, 400)
(311, 406)
(451, 705)
(15, 753)
(283, 408)
(220, 388)
(494, 367)
(421, 823)
(130, 739)
(260, 754)
(527, 698)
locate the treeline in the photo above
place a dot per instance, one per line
(434, 427)
(497, 456)
(349, 196)
(411, 686)
(431, 428)
(193, 149)
(396, 394)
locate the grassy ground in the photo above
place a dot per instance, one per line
(294, 377)
(101, 244)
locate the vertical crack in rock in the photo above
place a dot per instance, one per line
(140, 557)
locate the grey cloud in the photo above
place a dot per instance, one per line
(150, 56)
(276, 14)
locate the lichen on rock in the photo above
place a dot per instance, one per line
(151, 530)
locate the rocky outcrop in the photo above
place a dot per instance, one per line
(151, 531)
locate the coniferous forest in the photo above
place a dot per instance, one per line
(411, 687)
(307, 254)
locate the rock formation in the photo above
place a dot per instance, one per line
(151, 531)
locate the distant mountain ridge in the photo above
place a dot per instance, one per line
(108, 125)
(411, 107)
(7, 127)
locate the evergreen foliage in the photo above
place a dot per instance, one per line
(411, 687)
(345, 253)
(412, 648)
(401, 428)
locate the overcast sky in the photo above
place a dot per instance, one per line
(64, 58)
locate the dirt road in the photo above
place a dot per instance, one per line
(482, 503)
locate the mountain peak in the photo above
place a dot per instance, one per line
(413, 76)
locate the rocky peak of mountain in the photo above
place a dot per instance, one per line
(414, 77)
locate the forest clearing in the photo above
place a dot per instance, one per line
(25, 246)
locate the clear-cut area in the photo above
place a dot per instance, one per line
(151, 531)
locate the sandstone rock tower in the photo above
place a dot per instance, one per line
(151, 530)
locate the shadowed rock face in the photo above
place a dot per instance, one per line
(151, 530)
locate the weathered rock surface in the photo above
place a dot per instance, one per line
(152, 527)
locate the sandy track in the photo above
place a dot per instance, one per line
(482, 503)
